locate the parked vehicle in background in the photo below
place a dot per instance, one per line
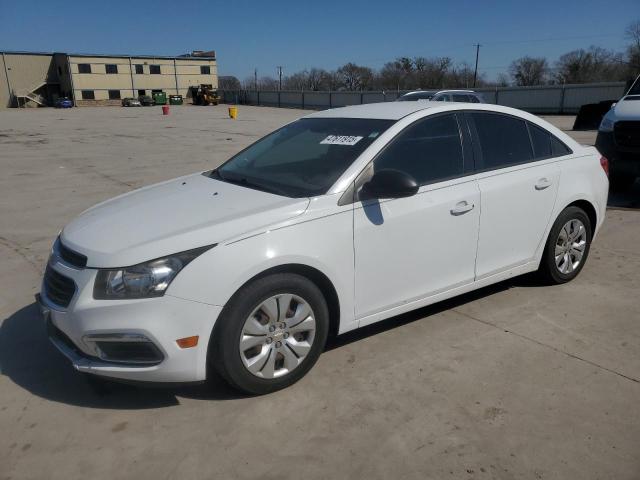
(619, 138)
(205, 95)
(333, 222)
(458, 96)
(159, 98)
(146, 100)
(442, 96)
(417, 95)
(63, 102)
(131, 102)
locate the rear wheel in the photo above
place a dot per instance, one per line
(567, 246)
(270, 334)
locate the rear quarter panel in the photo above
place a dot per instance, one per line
(581, 178)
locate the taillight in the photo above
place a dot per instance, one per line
(604, 163)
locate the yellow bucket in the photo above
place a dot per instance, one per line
(233, 112)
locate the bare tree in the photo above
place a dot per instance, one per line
(354, 77)
(228, 82)
(267, 83)
(297, 81)
(432, 72)
(391, 77)
(527, 71)
(316, 79)
(502, 80)
(248, 83)
(632, 33)
(592, 65)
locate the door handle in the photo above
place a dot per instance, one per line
(462, 207)
(543, 183)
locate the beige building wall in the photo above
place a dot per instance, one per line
(22, 74)
(175, 77)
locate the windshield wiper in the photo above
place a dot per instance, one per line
(245, 182)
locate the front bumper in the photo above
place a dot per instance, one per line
(160, 321)
(622, 160)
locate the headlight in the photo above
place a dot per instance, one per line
(606, 125)
(145, 280)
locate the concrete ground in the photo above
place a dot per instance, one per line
(515, 381)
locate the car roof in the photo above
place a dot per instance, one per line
(417, 92)
(380, 111)
(456, 91)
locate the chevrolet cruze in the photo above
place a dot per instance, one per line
(335, 221)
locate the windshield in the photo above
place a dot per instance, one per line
(412, 97)
(304, 158)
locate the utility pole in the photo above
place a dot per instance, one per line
(279, 67)
(255, 78)
(475, 73)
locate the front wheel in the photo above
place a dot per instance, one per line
(567, 246)
(270, 333)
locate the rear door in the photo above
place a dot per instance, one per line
(518, 189)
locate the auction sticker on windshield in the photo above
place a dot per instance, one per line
(349, 140)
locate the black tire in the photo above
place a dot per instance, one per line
(621, 182)
(224, 350)
(548, 272)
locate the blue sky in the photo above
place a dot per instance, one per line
(302, 34)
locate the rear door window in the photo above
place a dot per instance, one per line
(541, 141)
(430, 150)
(558, 148)
(504, 140)
(545, 144)
(460, 98)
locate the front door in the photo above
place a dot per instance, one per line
(407, 249)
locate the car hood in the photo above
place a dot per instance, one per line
(627, 109)
(172, 217)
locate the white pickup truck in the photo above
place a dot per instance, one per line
(619, 138)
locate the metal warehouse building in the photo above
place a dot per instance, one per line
(29, 79)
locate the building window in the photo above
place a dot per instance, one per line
(139, 69)
(84, 68)
(114, 94)
(111, 68)
(88, 95)
(142, 93)
(205, 70)
(154, 69)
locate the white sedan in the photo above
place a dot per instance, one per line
(337, 220)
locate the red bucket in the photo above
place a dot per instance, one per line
(165, 109)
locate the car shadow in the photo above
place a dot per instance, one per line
(30, 361)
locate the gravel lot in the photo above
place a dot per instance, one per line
(513, 381)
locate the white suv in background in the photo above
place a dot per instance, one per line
(335, 221)
(619, 138)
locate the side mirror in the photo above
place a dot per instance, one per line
(388, 183)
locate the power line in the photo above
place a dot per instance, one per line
(553, 39)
